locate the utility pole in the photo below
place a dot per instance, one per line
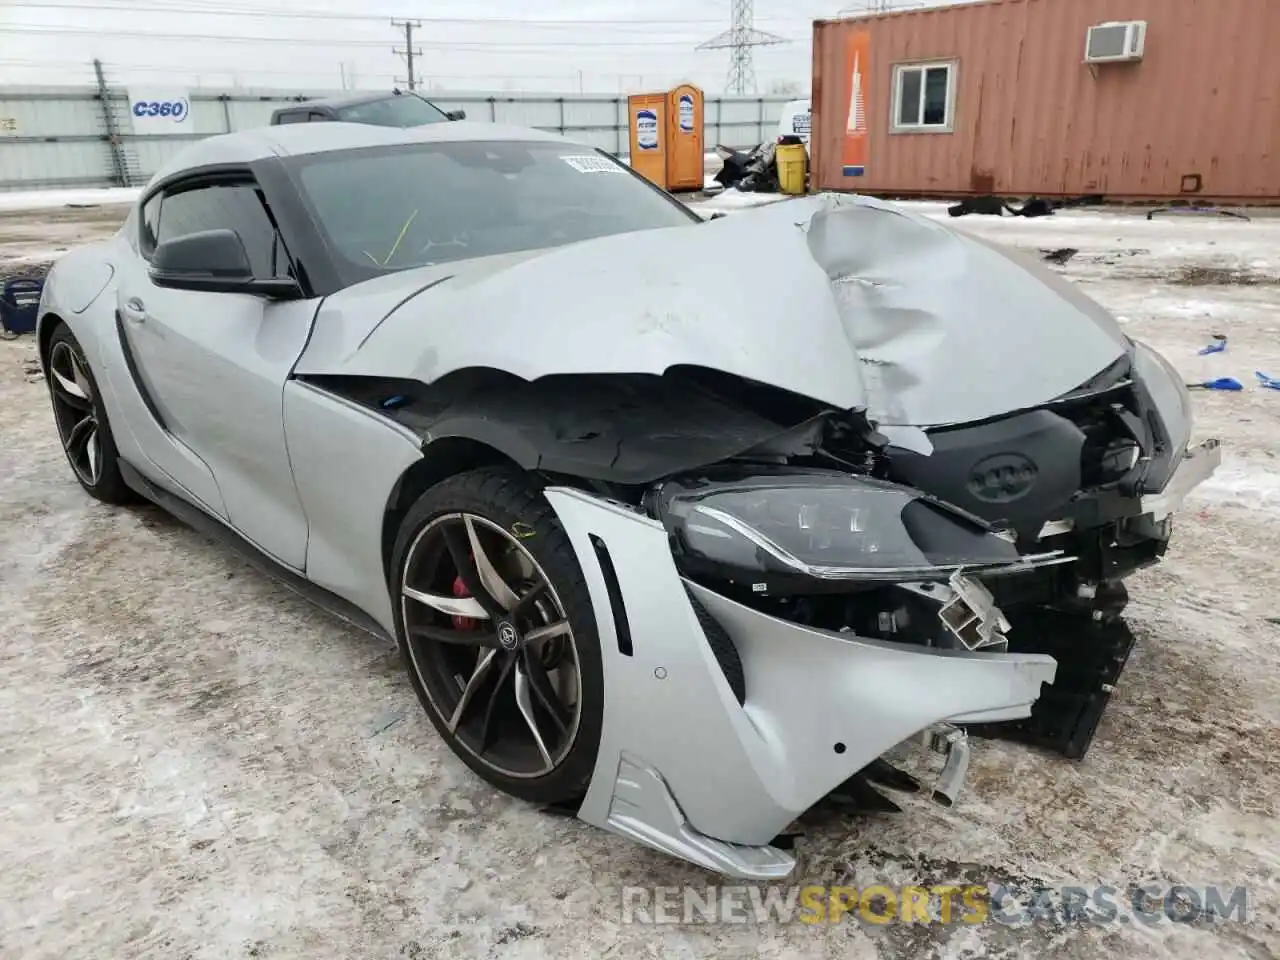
(408, 52)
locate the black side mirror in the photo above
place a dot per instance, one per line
(213, 261)
(457, 114)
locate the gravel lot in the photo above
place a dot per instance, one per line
(195, 763)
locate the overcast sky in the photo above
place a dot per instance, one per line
(321, 43)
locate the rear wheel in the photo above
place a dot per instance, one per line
(82, 420)
(498, 634)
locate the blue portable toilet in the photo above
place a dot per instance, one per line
(19, 303)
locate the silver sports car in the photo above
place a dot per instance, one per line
(680, 525)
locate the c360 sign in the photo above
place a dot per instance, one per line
(175, 110)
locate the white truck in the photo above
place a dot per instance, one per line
(795, 120)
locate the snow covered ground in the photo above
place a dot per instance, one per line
(33, 236)
(195, 763)
(52, 199)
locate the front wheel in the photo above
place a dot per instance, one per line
(498, 634)
(82, 421)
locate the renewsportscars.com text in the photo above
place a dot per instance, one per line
(944, 904)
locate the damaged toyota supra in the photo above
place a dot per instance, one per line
(681, 526)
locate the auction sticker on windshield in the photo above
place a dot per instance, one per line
(588, 164)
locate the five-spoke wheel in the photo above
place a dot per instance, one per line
(496, 628)
(74, 411)
(82, 419)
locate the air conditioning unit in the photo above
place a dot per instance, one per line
(1116, 42)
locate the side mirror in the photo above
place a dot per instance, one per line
(213, 261)
(457, 114)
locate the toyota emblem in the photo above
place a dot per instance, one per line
(507, 636)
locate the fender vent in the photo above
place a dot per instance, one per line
(722, 647)
(132, 367)
(621, 625)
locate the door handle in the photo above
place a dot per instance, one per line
(135, 310)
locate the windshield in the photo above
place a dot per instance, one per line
(384, 209)
(405, 110)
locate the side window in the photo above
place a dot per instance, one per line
(297, 116)
(317, 115)
(150, 224)
(924, 97)
(237, 207)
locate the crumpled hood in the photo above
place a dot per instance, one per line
(950, 328)
(848, 300)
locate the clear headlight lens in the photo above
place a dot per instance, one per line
(1172, 401)
(825, 526)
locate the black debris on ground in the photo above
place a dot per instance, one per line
(1060, 256)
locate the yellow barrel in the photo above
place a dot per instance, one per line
(793, 165)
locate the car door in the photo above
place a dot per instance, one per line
(213, 365)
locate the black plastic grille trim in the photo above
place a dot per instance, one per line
(722, 648)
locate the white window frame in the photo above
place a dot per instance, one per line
(899, 71)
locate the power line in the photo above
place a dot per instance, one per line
(64, 69)
(63, 66)
(324, 68)
(218, 9)
(60, 66)
(476, 45)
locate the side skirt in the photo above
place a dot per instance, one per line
(216, 530)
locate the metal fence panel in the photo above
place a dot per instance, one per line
(56, 136)
(68, 114)
(36, 164)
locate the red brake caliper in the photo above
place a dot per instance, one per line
(460, 622)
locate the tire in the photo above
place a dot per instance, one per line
(99, 473)
(502, 503)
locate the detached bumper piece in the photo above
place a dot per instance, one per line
(1198, 463)
(1090, 654)
(1090, 641)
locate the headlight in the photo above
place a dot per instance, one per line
(1165, 386)
(826, 526)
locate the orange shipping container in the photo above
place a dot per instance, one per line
(995, 97)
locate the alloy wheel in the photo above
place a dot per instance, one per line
(489, 640)
(75, 411)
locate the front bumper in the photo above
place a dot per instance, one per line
(1193, 467)
(1196, 466)
(688, 768)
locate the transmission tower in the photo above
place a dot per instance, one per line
(739, 39)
